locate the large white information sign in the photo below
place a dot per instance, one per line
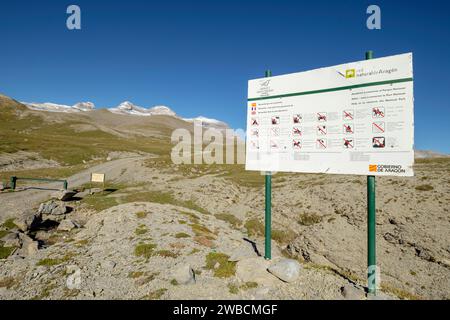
(355, 118)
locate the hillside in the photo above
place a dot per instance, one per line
(155, 218)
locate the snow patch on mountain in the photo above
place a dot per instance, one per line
(53, 107)
(129, 108)
(209, 123)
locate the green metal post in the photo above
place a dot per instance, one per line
(371, 227)
(12, 183)
(268, 208)
(65, 184)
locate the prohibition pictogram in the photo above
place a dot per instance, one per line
(348, 114)
(378, 127)
(348, 143)
(348, 128)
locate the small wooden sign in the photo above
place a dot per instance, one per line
(98, 177)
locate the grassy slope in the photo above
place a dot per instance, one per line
(21, 130)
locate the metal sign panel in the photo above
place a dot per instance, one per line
(355, 118)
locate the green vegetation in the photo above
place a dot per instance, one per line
(48, 262)
(283, 236)
(145, 250)
(63, 143)
(231, 219)
(100, 202)
(182, 235)
(234, 289)
(193, 217)
(9, 224)
(45, 292)
(194, 251)
(3, 233)
(225, 268)
(141, 214)
(140, 230)
(402, 294)
(174, 282)
(308, 219)
(155, 295)
(5, 252)
(254, 227)
(202, 231)
(135, 274)
(425, 187)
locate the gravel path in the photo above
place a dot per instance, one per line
(12, 204)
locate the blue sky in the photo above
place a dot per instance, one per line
(196, 56)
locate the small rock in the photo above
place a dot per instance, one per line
(53, 208)
(184, 275)
(66, 225)
(391, 238)
(27, 220)
(287, 270)
(244, 251)
(255, 270)
(11, 240)
(217, 265)
(2, 186)
(108, 159)
(64, 195)
(108, 265)
(29, 246)
(74, 280)
(350, 292)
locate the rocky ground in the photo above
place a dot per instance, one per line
(161, 231)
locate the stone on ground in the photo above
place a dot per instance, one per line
(29, 246)
(184, 275)
(244, 251)
(53, 208)
(66, 225)
(64, 195)
(27, 220)
(287, 270)
(350, 292)
(255, 270)
(11, 240)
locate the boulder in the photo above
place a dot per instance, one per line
(66, 225)
(350, 292)
(53, 208)
(11, 240)
(184, 275)
(2, 186)
(64, 195)
(29, 246)
(28, 220)
(287, 270)
(255, 270)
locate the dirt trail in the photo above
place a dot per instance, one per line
(12, 204)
